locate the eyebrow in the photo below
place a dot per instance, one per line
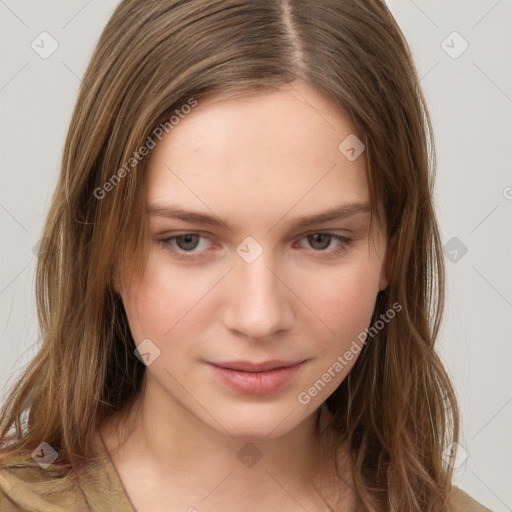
(338, 212)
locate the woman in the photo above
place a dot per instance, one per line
(240, 282)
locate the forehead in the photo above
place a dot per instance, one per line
(259, 156)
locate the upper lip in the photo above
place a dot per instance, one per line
(249, 366)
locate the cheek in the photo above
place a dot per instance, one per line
(159, 304)
(343, 300)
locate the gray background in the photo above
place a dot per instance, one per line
(470, 100)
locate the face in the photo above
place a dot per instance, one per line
(262, 271)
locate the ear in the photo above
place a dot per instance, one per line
(389, 263)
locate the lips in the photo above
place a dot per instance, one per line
(252, 378)
(248, 366)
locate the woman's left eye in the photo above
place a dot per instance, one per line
(187, 245)
(322, 241)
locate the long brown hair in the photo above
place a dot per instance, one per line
(396, 408)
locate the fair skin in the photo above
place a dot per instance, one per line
(256, 163)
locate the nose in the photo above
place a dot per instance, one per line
(258, 304)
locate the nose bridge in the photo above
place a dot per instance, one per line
(258, 304)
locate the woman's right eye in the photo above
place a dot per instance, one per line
(184, 245)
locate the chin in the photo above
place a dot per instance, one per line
(260, 423)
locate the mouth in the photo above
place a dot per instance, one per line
(252, 378)
(248, 366)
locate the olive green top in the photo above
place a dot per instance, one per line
(99, 488)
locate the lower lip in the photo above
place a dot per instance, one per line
(255, 383)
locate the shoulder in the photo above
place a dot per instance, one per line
(26, 486)
(461, 502)
(29, 487)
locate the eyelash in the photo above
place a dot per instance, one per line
(186, 255)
